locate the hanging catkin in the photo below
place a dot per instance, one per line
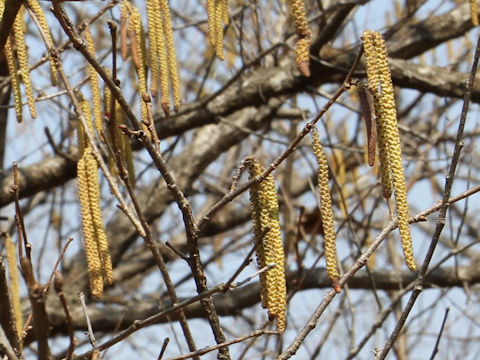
(14, 79)
(37, 9)
(172, 57)
(380, 83)
(304, 34)
(22, 56)
(137, 41)
(217, 16)
(374, 86)
(153, 20)
(265, 215)
(13, 71)
(326, 210)
(14, 278)
(163, 58)
(96, 246)
(94, 84)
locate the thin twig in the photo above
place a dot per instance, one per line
(208, 349)
(90, 334)
(246, 261)
(22, 234)
(58, 285)
(177, 252)
(435, 349)
(256, 273)
(5, 346)
(54, 270)
(164, 347)
(56, 149)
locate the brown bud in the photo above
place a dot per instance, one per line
(58, 281)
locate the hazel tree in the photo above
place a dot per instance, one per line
(225, 179)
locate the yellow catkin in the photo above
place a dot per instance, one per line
(326, 211)
(265, 215)
(94, 197)
(94, 84)
(257, 231)
(96, 246)
(153, 18)
(371, 61)
(14, 79)
(218, 19)
(163, 60)
(138, 53)
(387, 121)
(374, 86)
(91, 249)
(211, 21)
(14, 277)
(123, 29)
(217, 16)
(172, 57)
(224, 9)
(37, 9)
(303, 56)
(101, 237)
(474, 12)
(303, 32)
(94, 264)
(341, 177)
(22, 56)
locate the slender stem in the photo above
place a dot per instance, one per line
(206, 350)
(435, 349)
(91, 335)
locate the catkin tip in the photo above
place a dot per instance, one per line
(326, 209)
(303, 56)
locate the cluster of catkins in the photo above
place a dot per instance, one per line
(263, 196)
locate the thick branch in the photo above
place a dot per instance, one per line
(45, 175)
(416, 37)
